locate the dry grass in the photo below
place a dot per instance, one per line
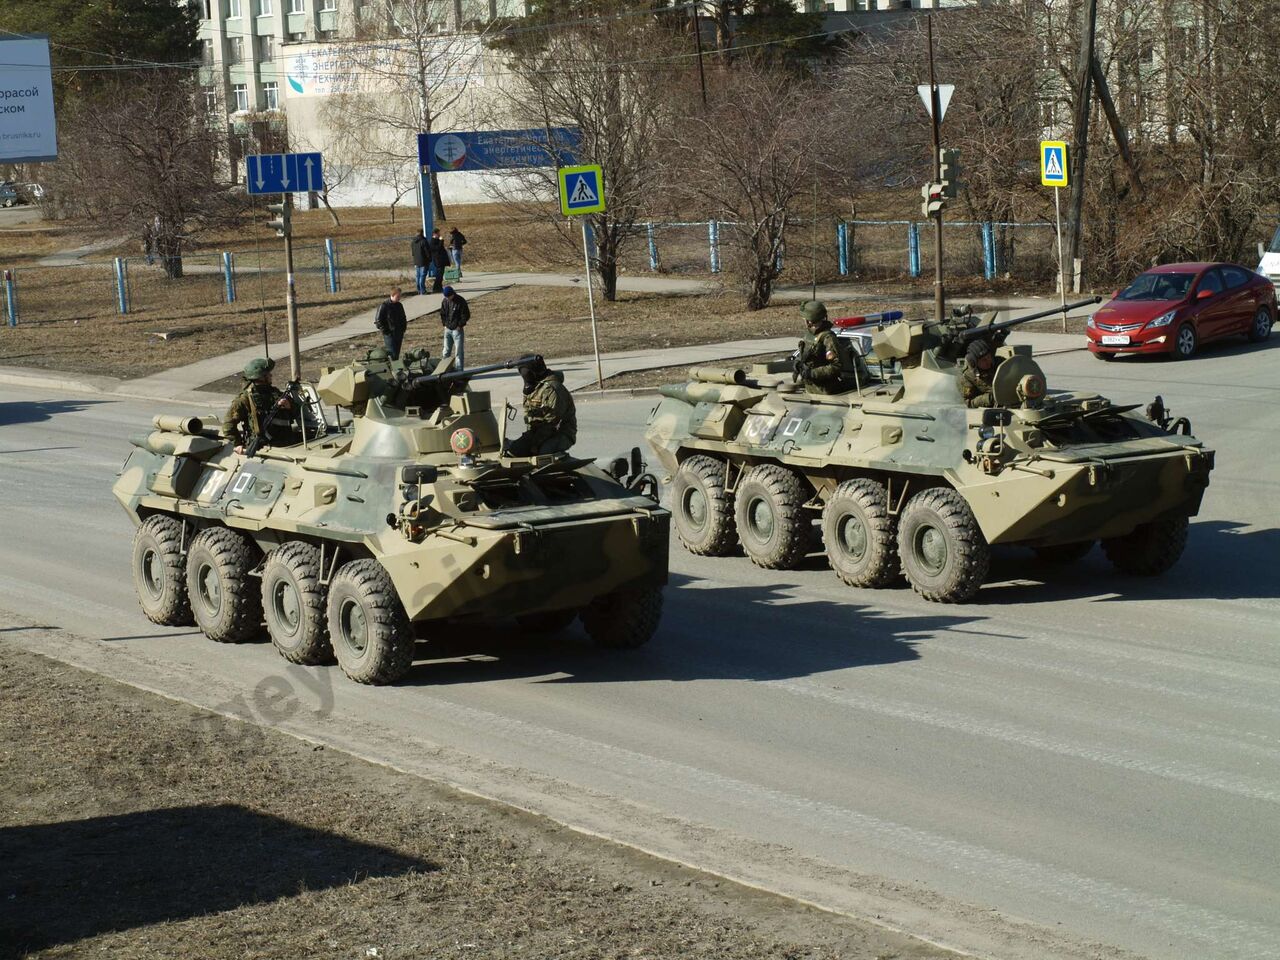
(679, 373)
(135, 826)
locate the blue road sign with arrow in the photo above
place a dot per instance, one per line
(284, 173)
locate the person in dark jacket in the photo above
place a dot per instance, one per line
(456, 242)
(439, 260)
(549, 414)
(391, 323)
(454, 314)
(421, 259)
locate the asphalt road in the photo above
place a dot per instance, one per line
(1095, 757)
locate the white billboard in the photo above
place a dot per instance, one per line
(27, 128)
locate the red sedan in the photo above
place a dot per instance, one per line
(1175, 308)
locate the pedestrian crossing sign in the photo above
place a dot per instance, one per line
(1053, 163)
(581, 190)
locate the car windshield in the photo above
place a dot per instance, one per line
(1158, 286)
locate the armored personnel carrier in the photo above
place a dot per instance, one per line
(905, 478)
(353, 539)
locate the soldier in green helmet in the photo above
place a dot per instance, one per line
(549, 414)
(249, 418)
(824, 362)
(976, 372)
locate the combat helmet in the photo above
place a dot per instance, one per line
(257, 368)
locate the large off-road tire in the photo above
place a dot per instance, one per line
(225, 600)
(1151, 549)
(160, 572)
(1185, 342)
(546, 621)
(624, 619)
(1260, 328)
(860, 536)
(702, 509)
(773, 525)
(944, 554)
(370, 631)
(1063, 553)
(293, 604)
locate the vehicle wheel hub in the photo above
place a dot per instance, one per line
(355, 631)
(210, 588)
(852, 534)
(1186, 340)
(931, 548)
(760, 514)
(284, 603)
(695, 507)
(153, 573)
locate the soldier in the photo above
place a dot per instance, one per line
(249, 417)
(975, 375)
(549, 414)
(825, 363)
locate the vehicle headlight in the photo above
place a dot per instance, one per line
(1091, 323)
(1163, 320)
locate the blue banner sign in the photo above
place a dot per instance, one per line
(496, 149)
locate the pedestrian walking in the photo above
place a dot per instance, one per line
(391, 323)
(456, 242)
(421, 259)
(149, 244)
(439, 260)
(454, 314)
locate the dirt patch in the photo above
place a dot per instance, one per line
(135, 826)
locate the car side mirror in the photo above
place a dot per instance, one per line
(419, 473)
(996, 417)
(1115, 294)
(1203, 294)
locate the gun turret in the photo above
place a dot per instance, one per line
(452, 376)
(948, 338)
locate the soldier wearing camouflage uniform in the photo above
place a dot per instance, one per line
(246, 417)
(975, 375)
(824, 363)
(549, 413)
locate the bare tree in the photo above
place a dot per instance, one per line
(618, 81)
(142, 156)
(411, 64)
(751, 158)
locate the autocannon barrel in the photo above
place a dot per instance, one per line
(469, 372)
(975, 333)
(726, 375)
(178, 424)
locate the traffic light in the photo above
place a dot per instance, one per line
(949, 172)
(282, 224)
(934, 199)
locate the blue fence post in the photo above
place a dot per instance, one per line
(229, 275)
(331, 265)
(122, 290)
(653, 248)
(988, 252)
(11, 298)
(713, 237)
(913, 249)
(842, 247)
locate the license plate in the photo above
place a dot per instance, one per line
(1115, 340)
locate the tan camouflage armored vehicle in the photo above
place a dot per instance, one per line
(353, 539)
(904, 478)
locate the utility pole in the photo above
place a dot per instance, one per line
(935, 116)
(1080, 130)
(697, 37)
(284, 227)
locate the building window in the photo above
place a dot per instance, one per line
(235, 50)
(271, 95)
(206, 52)
(297, 6)
(297, 37)
(205, 12)
(328, 4)
(241, 93)
(265, 8)
(326, 34)
(267, 46)
(210, 99)
(233, 9)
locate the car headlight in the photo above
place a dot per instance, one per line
(1163, 320)
(1091, 323)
